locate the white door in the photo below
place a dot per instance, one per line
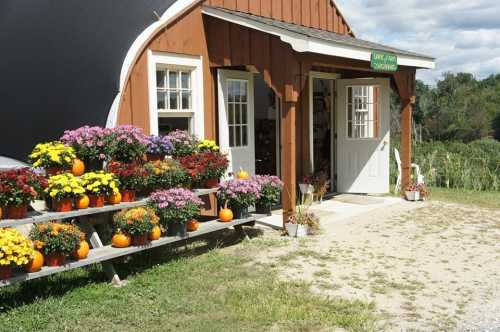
(363, 135)
(236, 119)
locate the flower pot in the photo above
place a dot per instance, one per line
(17, 212)
(211, 183)
(412, 195)
(306, 188)
(92, 165)
(302, 230)
(97, 200)
(140, 240)
(240, 212)
(51, 171)
(291, 229)
(155, 157)
(128, 196)
(263, 209)
(176, 228)
(55, 259)
(63, 205)
(5, 272)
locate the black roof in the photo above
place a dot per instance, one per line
(60, 64)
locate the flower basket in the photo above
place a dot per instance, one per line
(17, 212)
(165, 174)
(56, 241)
(126, 144)
(128, 196)
(52, 156)
(263, 209)
(62, 190)
(140, 240)
(15, 250)
(97, 201)
(240, 194)
(203, 166)
(176, 229)
(306, 188)
(89, 145)
(183, 143)
(211, 183)
(158, 147)
(412, 195)
(54, 259)
(63, 205)
(240, 212)
(270, 193)
(138, 223)
(132, 178)
(98, 186)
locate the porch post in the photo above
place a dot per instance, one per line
(406, 125)
(288, 152)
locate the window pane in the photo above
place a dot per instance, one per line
(160, 78)
(231, 136)
(244, 135)
(244, 119)
(172, 79)
(230, 113)
(230, 93)
(237, 135)
(237, 116)
(349, 129)
(185, 80)
(236, 91)
(166, 125)
(173, 100)
(243, 91)
(160, 100)
(186, 100)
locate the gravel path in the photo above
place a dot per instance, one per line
(427, 266)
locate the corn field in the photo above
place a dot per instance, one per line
(471, 166)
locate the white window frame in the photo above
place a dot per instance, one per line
(368, 111)
(189, 63)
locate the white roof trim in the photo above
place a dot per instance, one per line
(301, 43)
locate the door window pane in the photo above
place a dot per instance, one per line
(237, 108)
(362, 111)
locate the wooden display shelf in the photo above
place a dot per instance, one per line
(37, 217)
(108, 252)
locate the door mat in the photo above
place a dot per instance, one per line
(358, 199)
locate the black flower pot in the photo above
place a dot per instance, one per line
(175, 228)
(263, 209)
(93, 165)
(240, 212)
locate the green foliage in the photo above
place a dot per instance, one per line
(473, 166)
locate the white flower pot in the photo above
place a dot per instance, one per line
(291, 229)
(302, 230)
(412, 195)
(306, 188)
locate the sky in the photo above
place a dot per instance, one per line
(463, 35)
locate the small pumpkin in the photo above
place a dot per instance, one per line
(35, 264)
(192, 225)
(1, 213)
(121, 240)
(115, 198)
(155, 233)
(242, 175)
(225, 214)
(78, 167)
(82, 202)
(83, 251)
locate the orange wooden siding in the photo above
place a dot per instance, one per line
(319, 14)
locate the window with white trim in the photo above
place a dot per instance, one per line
(237, 112)
(363, 111)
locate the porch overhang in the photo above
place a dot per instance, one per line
(304, 39)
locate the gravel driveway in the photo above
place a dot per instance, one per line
(427, 266)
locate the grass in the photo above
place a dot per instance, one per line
(216, 290)
(487, 199)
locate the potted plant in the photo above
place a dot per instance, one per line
(158, 147)
(320, 184)
(100, 185)
(54, 157)
(270, 193)
(126, 144)
(412, 192)
(208, 145)
(183, 143)
(175, 207)
(240, 194)
(302, 223)
(15, 250)
(62, 189)
(89, 145)
(19, 188)
(205, 168)
(138, 223)
(165, 174)
(305, 185)
(132, 178)
(56, 241)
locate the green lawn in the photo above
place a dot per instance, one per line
(488, 199)
(202, 289)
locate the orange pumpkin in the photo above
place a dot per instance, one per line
(192, 225)
(155, 233)
(225, 215)
(35, 264)
(121, 240)
(1, 213)
(83, 251)
(115, 198)
(82, 202)
(78, 167)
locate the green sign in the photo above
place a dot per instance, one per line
(384, 61)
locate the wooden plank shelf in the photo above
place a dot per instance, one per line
(45, 216)
(108, 252)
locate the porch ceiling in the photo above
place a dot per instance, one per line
(305, 39)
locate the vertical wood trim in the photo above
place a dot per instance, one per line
(296, 12)
(286, 6)
(329, 17)
(140, 93)
(276, 9)
(315, 14)
(254, 7)
(406, 125)
(376, 111)
(306, 12)
(265, 8)
(323, 24)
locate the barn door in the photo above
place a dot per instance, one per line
(236, 119)
(363, 135)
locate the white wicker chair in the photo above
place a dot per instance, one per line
(420, 177)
